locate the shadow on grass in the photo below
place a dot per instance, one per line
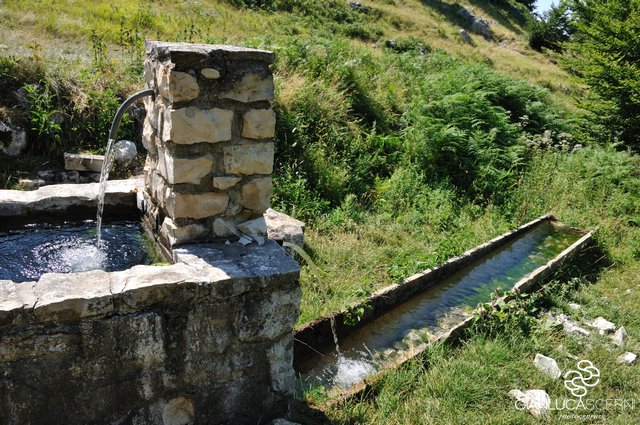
(504, 13)
(12, 169)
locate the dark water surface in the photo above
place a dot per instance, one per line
(29, 251)
(438, 308)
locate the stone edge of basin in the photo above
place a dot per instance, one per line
(214, 271)
(317, 334)
(62, 198)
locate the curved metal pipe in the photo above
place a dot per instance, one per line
(115, 124)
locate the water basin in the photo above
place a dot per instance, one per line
(29, 251)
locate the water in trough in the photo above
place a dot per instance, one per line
(436, 309)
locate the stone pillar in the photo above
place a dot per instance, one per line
(207, 134)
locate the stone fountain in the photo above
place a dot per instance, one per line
(207, 339)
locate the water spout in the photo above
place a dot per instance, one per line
(108, 156)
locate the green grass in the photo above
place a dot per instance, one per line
(470, 384)
(398, 158)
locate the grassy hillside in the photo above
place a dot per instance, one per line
(398, 143)
(72, 29)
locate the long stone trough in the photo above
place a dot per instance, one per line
(316, 337)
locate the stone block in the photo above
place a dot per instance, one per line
(72, 296)
(157, 187)
(223, 228)
(259, 124)
(254, 227)
(83, 162)
(149, 73)
(248, 159)
(210, 73)
(203, 205)
(149, 137)
(251, 87)
(177, 235)
(269, 317)
(178, 411)
(191, 125)
(282, 227)
(11, 303)
(280, 356)
(224, 183)
(208, 330)
(184, 170)
(177, 86)
(192, 55)
(256, 194)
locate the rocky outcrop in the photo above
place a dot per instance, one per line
(478, 25)
(12, 140)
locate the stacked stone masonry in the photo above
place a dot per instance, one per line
(207, 134)
(206, 340)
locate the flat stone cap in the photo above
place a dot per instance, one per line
(164, 51)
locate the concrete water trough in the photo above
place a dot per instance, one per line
(401, 320)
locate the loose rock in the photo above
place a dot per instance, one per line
(12, 140)
(547, 365)
(125, 151)
(620, 337)
(254, 227)
(481, 26)
(569, 326)
(602, 325)
(537, 402)
(465, 36)
(627, 358)
(282, 227)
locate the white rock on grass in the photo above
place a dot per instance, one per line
(627, 358)
(574, 306)
(547, 365)
(570, 326)
(620, 337)
(602, 325)
(537, 402)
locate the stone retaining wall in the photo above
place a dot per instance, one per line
(207, 340)
(207, 133)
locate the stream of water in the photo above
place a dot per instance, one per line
(436, 310)
(104, 177)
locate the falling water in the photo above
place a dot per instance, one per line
(104, 176)
(332, 319)
(109, 155)
(298, 249)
